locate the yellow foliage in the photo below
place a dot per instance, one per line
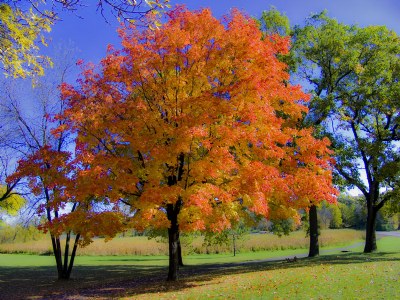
(12, 204)
(21, 33)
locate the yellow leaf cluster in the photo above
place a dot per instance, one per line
(20, 36)
(12, 204)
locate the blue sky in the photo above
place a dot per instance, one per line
(91, 34)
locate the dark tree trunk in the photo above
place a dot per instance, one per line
(61, 269)
(64, 268)
(175, 250)
(73, 254)
(173, 238)
(55, 241)
(66, 253)
(313, 220)
(234, 244)
(370, 237)
(180, 260)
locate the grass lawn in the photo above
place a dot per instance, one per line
(334, 275)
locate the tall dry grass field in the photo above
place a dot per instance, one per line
(119, 246)
(140, 245)
(267, 241)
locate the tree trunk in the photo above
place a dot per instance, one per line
(55, 241)
(64, 267)
(173, 238)
(63, 275)
(313, 220)
(234, 244)
(174, 243)
(370, 237)
(66, 254)
(180, 260)
(173, 252)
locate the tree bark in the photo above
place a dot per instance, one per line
(57, 255)
(66, 253)
(370, 237)
(173, 238)
(313, 222)
(73, 254)
(234, 244)
(174, 244)
(180, 260)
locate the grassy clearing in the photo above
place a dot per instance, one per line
(144, 246)
(334, 276)
(350, 276)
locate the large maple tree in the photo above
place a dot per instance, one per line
(195, 126)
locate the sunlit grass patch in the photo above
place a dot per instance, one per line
(344, 276)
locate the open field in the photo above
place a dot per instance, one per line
(336, 275)
(143, 246)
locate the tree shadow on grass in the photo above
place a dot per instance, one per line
(114, 281)
(42, 283)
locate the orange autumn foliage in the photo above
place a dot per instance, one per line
(70, 200)
(198, 112)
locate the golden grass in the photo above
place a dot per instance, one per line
(262, 242)
(42, 246)
(143, 246)
(138, 245)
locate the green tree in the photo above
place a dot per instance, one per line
(274, 23)
(353, 75)
(336, 220)
(353, 210)
(330, 215)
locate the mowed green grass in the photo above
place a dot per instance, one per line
(334, 275)
(347, 277)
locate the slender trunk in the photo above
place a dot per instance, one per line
(370, 237)
(313, 220)
(64, 267)
(62, 272)
(55, 241)
(60, 266)
(180, 260)
(71, 262)
(66, 253)
(234, 244)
